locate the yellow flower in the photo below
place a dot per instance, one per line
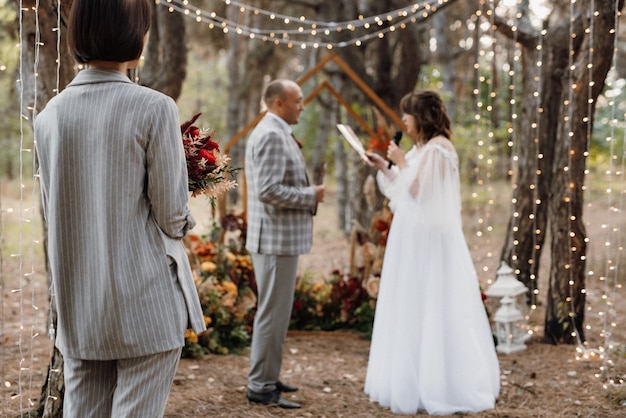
(317, 287)
(207, 320)
(208, 266)
(191, 336)
(243, 261)
(230, 256)
(229, 287)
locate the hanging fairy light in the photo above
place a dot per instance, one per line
(316, 34)
(25, 254)
(571, 87)
(514, 146)
(613, 286)
(484, 95)
(512, 131)
(534, 186)
(609, 281)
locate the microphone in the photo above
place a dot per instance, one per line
(396, 138)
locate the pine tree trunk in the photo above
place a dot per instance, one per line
(526, 232)
(557, 198)
(165, 54)
(565, 311)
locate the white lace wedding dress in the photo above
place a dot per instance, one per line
(432, 348)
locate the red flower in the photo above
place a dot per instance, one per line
(208, 171)
(184, 128)
(208, 156)
(298, 305)
(211, 145)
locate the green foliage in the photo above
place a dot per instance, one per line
(206, 73)
(10, 121)
(481, 157)
(225, 281)
(608, 133)
(226, 287)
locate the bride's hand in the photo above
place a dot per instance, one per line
(376, 160)
(396, 155)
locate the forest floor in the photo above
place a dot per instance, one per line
(329, 367)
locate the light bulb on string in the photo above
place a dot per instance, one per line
(311, 26)
(23, 297)
(484, 162)
(613, 243)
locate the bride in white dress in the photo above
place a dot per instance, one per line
(432, 349)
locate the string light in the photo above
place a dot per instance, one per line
(568, 119)
(514, 146)
(609, 282)
(484, 110)
(512, 131)
(51, 296)
(21, 290)
(536, 129)
(316, 34)
(587, 352)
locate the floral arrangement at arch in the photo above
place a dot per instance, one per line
(208, 170)
(224, 276)
(226, 287)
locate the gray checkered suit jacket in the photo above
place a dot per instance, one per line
(114, 192)
(280, 200)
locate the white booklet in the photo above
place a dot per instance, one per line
(353, 140)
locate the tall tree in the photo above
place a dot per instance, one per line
(555, 201)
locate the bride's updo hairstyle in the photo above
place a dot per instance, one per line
(429, 111)
(107, 30)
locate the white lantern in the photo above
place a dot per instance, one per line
(508, 331)
(506, 283)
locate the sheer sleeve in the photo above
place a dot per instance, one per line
(429, 186)
(391, 187)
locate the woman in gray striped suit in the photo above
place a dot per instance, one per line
(114, 192)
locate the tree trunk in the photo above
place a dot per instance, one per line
(36, 91)
(557, 197)
(537, 135)
(565, 312)
(391, 67)
(165, 66)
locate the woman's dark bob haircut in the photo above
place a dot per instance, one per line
(107, 30)
(429, 112)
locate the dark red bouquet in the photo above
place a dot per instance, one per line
(207, 169)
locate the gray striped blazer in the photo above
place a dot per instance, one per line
(280, 200)
(113, 185)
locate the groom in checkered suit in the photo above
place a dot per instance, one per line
(281, 205)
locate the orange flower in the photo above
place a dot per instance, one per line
(317, 287)
(229, 287)
(208, 266)
(191, 336)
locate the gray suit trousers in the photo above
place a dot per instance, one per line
(133, 387)
(276, 282)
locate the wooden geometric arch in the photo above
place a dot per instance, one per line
(325, 85)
